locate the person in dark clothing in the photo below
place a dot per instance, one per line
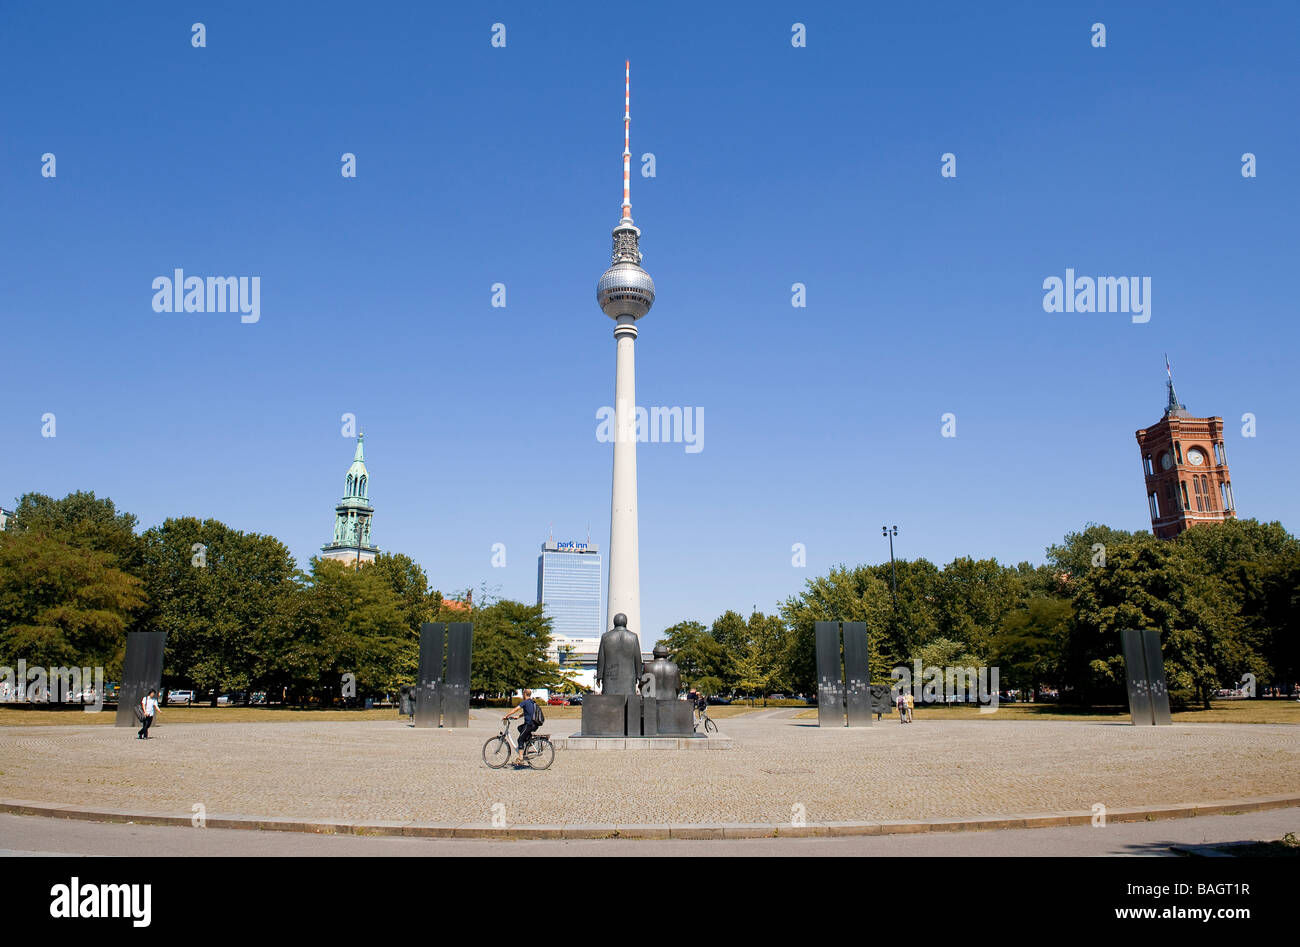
(528, 710)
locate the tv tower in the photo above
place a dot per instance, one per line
(625, 293)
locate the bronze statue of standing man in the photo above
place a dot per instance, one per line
(618, 662)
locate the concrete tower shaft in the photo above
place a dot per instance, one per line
(625, 293)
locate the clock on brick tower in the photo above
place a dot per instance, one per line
(1186, 469)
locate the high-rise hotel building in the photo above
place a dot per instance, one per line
(568, 584)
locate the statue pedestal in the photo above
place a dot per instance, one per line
(676, 718)
(605, 715)
(629, 715)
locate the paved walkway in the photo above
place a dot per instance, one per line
(782, 767)
(31, 835)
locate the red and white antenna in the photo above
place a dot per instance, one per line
(627, 138)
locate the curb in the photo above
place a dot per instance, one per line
(483, 830)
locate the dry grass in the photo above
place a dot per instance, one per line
(11, 716)
(1221, 711)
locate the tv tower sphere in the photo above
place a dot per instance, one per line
(625, 289)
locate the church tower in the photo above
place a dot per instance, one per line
(1186, 469)
(352, 516)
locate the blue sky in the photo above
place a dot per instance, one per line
(775, 165)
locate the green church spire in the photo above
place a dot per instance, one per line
(353, 515)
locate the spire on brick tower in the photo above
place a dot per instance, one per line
(1174, 409)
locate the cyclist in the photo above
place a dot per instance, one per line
(701, 705)
(528, 710)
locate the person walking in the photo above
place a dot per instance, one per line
(901, 703)
(148, 710)
(910, 700)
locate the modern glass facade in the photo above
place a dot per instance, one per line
(568, 584)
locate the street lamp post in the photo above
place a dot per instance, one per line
(891, 532)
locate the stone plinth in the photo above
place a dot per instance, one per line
(581, 741)
(605, 715)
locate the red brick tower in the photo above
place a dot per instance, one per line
(1186, 469)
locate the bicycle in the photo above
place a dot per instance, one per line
(705, 721)
(538, 752)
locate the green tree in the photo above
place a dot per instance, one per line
(945, 653)
(510, 644)
(844, 595)
(1147, 585)
(216, 591)
(411, 586)
(757, 658)
(358, 627)
(61, 605)
(700, 659)
(729, 629)
(1086, 550)
(1239, 560)
(973, 597)
(83, 521)
(417, 602)
(1030, 650)
(1273, 604)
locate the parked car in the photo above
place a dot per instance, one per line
(558, 701)
(223, 699)
(719, 700)
(180, 697)
(575, 700)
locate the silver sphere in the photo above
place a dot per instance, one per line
(625, 290)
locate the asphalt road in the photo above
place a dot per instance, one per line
(34, 836)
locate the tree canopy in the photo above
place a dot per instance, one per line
(241, 616)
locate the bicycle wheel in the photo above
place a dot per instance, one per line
(710, 726)
(541, 754)
(496, 752)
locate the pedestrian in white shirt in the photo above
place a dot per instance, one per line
(148, 709)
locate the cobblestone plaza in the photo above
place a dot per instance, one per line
(387, 771)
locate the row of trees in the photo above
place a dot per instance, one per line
(75, 576)
(1225, 598)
